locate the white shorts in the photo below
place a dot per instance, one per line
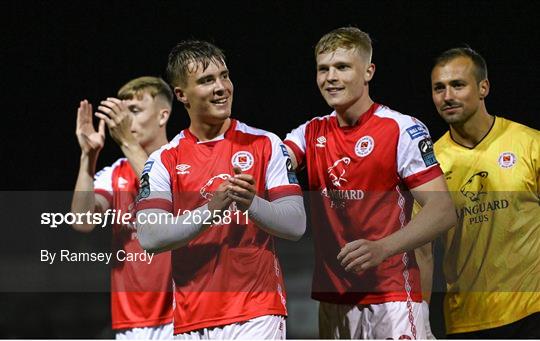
(162, 332)
(390, 320)
(268, 327)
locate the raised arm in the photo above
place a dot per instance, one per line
(91, 142)
(118, 118)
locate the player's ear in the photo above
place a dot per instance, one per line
(370, 71)
(484, 88)
(164, 115)
(180, 95)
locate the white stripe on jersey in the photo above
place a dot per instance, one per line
(103, 178)
(409, 159)
(160, 185)
(298, 135)
(275, 174)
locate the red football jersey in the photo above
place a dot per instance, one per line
(358, 180)
(141, 293)
(230, 272)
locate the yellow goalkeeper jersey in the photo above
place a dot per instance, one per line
(492, 257)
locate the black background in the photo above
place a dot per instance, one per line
(55, 54)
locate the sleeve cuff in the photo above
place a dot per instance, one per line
(283, 191)
(298, 154)
(422, 177)
(162, 204)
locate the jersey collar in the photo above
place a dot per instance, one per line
(189, 135)
(491, 133)
(363, 118)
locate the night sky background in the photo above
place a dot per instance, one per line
(53, 54)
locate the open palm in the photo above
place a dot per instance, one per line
(90, 140)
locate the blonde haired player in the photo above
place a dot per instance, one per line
(492, 166)
(141, 293)
(366, 277)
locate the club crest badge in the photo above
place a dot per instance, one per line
(507, 159)
(364, 146)
(243, 159)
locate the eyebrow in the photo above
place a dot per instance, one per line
(335, 62)
(210, 76)
(451, 82)
(203, 78)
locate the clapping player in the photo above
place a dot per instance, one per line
(141, 293)
(230, 190)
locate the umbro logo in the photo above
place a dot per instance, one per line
(321, 142)
(182, 168)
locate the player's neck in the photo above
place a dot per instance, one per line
(206, 132)
(350, 115)
(473, 131)
(161, 140)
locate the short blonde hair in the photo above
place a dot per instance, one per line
(155, 86)
(347, 38)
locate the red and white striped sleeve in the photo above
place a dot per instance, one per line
(280, 177)
(155, 186)
(296, 140)
(415, 156)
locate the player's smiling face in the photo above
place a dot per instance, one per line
(342, 77)
(455, 91)
(208, 93)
